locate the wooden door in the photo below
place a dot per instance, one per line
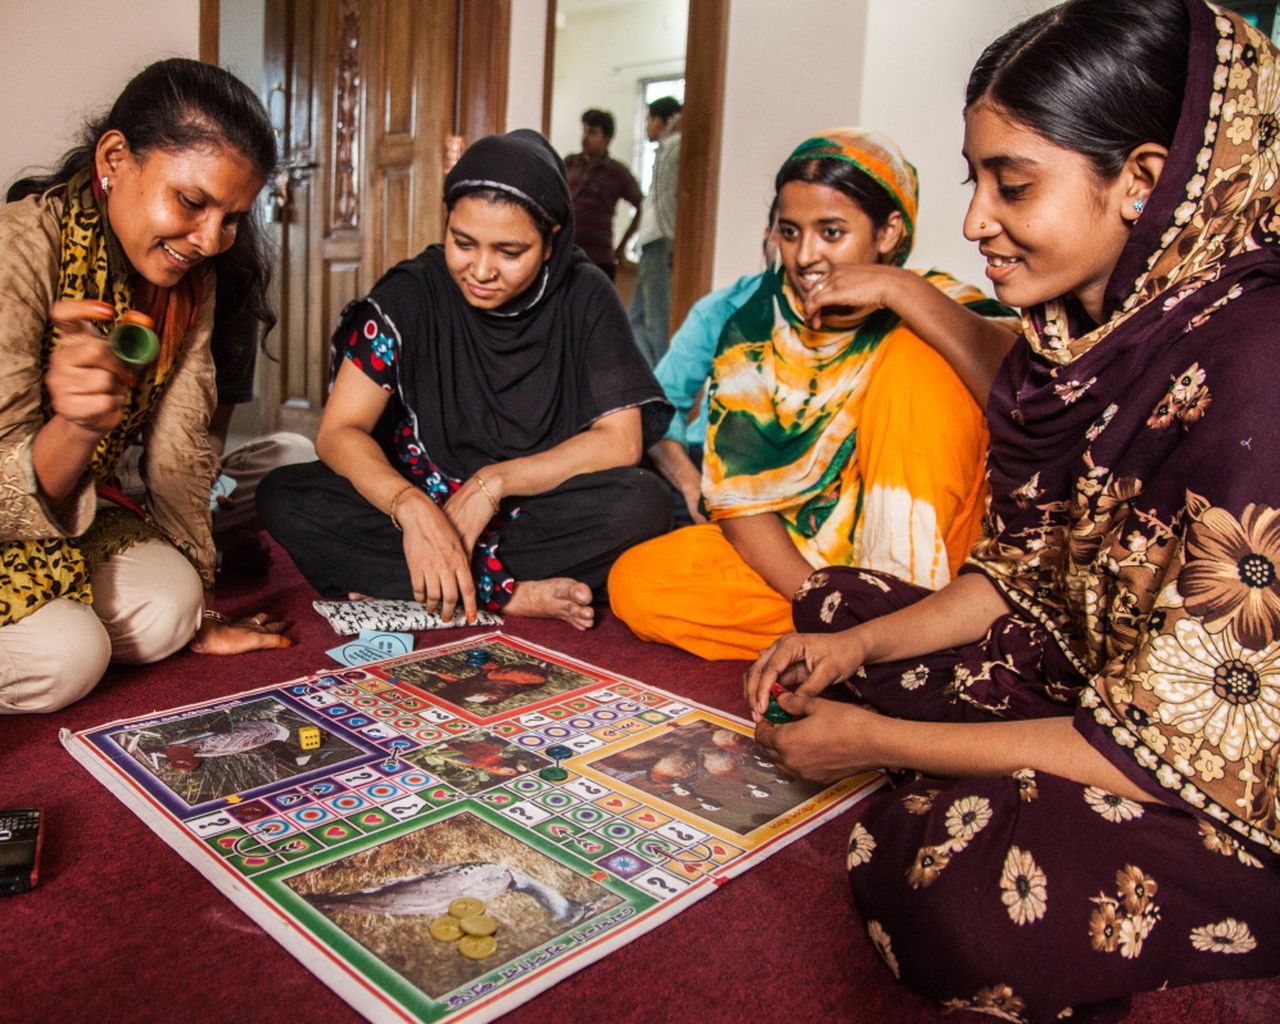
(362, 96)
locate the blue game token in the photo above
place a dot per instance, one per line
(477, 657)
(558, 753)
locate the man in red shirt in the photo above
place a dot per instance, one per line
(597, 182)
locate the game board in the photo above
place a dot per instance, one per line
(432, 781)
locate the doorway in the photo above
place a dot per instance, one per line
(371, 101)
(622, 64)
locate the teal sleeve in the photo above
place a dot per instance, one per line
(684, 369)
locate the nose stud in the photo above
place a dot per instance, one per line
(982, 225)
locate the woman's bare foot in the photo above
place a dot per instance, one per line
(559, 598)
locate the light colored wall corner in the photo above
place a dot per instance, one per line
(70, 58)
(525, 64)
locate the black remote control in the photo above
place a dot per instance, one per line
(21, 835)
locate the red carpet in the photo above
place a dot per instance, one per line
(121, 929)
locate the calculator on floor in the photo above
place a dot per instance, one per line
(21, 835)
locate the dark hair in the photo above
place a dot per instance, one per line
(179, 104)
(665, 107)
(601, 119)
(542, 220)
(1099, 77)
(845, 178)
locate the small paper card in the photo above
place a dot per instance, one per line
(390, 644)
(372, 645)
(350, 617)
(222, 488)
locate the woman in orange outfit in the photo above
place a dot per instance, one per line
(836, 435)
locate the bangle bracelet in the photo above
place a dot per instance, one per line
(215, 616)
(487, 493)
(391, 510)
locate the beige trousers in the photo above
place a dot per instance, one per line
(147, 604)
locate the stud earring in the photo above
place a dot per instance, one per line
(105, 182)
(1139, 204)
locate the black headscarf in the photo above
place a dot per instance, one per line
(489, 385)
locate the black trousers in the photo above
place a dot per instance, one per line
(341, 543)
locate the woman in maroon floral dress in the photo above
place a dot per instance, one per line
(1090, 713)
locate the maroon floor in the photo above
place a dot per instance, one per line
(121, 929)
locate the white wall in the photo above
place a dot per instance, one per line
(69, 59)
(525, 64)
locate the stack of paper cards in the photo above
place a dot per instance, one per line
(350, 617)
(222, 488)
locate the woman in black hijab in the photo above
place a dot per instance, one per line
(479, 444)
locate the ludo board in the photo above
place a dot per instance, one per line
(434, 779)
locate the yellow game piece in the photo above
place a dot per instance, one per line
(234, 798)
(445, 929)
(479, 924)
(477, 947)
(309, 737)
(465, 906)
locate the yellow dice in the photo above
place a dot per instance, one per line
(309, 737)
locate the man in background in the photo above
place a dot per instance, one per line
(597, 182)
(651, 304)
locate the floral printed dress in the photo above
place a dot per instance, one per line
(1133, 531)
(1030, 897)
(372, 349)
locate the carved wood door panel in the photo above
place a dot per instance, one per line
(362, 96)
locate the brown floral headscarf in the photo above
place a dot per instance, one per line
(1136, 474)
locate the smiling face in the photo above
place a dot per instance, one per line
(821, 228)
(493, 251)
(1046, 223)
(172, 210)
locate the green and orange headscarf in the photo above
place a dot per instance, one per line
(879, 158)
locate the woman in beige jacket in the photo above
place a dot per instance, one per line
(149, 215)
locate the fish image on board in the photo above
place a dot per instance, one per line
(533, 898)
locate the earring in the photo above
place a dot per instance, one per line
(105, 182)
(1138, 204)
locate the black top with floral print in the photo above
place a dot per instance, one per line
(372, 348)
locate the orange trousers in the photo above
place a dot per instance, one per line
(691, 589)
